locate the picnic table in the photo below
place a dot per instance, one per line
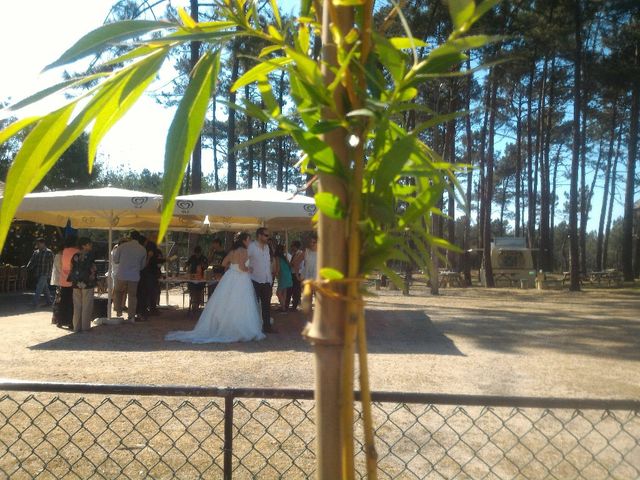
(449, 278)
(610, 276)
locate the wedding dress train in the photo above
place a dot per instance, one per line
(231, 314)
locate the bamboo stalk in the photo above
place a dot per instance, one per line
(365, 398)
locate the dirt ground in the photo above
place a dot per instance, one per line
(466, 341)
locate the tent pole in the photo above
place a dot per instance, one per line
(166, 267)
(109, 276)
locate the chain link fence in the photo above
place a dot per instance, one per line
(104, 431)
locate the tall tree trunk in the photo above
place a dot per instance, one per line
(614, 179)
(584, 207)
(552, 221)
(545, 187)
(518, 184)
(214, 142)
(632, 149)
(482, 164)
(250, 155)
(263, 157)
(503, 203)
(450, 149)
(279, 144)
(531, 201)
(231, 126)
(605, 193)
(466, 237)
(575, 158)
(539, 146)
(196, 156)
(488, 268)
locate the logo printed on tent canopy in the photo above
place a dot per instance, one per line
(138, 202)
(310, 209)
(184, 205)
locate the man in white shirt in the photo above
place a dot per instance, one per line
(260, 264)
(130, 257)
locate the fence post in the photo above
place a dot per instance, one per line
(228, 435)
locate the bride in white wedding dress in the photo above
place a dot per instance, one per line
(231, 314)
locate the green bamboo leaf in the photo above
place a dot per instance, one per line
(251, 109)
(331, 274)
(215, 37)
(392, 58)
(107, 35)
(305, 7)
(270, 49)
(393, 276)
(185, 130)
(187, 21)
(348, 3)
(16, 127)
(361, 112)
(141, 51)
(330, 205)
(325, 126)
(276, 12)
(394, 159)
(438, 120)
(137, 81)
(72, 83)
(421, 204)
(471, 42)
(322, 156)
(483, 8)
(442, 243)
(302, 41)
(260, 138)
(308, 69)
(260, 71)
(269, 100)
(403, 43)
(344, 65)
(461, 11)
(27, 169)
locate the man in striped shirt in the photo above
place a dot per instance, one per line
(41, 264)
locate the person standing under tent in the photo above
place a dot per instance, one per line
(83, 279)
(311, 259)
(131, 258)
(284, 277)
(260, 267)
(297, 264)
(196, 266)
(41, 264)
(56, 274)
(216, 255)
(63, 309)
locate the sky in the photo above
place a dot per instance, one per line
(34, 33)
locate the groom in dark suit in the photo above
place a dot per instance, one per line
(260, 263)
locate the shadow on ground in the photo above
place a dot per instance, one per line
(388, 331)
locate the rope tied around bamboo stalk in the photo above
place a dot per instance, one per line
(322, 287)
(356, 325)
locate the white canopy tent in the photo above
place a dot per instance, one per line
(249, 208)
(99, 208)
(106, 208)
(120, 209)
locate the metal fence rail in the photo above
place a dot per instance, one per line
(54, 430)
